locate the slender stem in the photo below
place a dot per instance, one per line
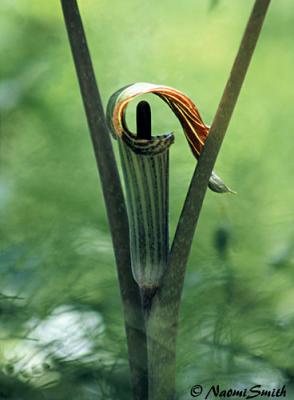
(113, 196)
(163, 317)
(198, 186)
(193, 203)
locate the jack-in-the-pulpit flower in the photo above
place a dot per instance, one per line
(145, 165)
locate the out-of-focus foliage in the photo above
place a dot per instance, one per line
(61, 329)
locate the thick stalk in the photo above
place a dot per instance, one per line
(161, 331)
(163, 316)
(113, 196)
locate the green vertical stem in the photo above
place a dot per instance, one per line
(198, 186)
(161, 331)
(113, 196)
(163, 316)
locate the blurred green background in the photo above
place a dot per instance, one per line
(61, 328)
